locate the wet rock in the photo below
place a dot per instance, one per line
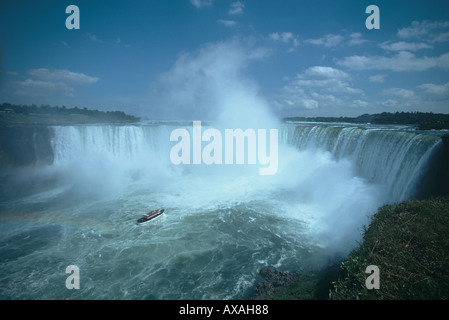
(273, 280)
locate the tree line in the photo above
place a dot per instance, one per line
(50, 110)
(422, 120)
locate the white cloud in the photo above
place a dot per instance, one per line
(295, 99)
(434, 97)
(435, 88)
(275, 36)
(404, 94)
(442, 37)
(379, 78)
(428, 95)
(356, 39)
(327, 79)
(227, 23)
(435, 91)
(201, 3)
(320, 87)
(443, 61)
(359, 103)
(39, 88)
(402, 61)
(429, 31)
(325, 72)
(391, 103)
(236, 8)
(333, 40)
(51, 83)
(285, 37)
(329, 40)
(405, 46)
(61, 76)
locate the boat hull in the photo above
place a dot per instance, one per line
(152, 216)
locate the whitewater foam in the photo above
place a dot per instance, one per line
(222, 223)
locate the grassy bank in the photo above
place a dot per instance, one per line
(409, 242)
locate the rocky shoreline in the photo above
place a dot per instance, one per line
(273, 280)
(298, 285)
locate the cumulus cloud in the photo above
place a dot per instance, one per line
(236, 8)
(58, 75)
(327, 78)
(43, 82)
(287, 38)
(201, 3)
(430, 31)
(405, 46)
(435, 91)
(320, 87)
(40, 88)
(227, 23)
(402, 61)
(333, 40)
(401, 93)
(428, 95)
(379, 78)
(356, 39)
(329, 40)
(325, 72)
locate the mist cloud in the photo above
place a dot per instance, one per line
(212, 84)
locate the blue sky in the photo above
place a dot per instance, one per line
(181, 58)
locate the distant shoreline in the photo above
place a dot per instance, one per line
(422, 120)
(46, 115)
(55, 120)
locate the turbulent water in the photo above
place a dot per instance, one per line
(222, 223)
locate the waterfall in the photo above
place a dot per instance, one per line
(392, 158)
(395, 159)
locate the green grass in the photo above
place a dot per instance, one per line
(409, 242)
(301, 289)
(311, 286)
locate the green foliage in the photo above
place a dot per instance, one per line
(303, 288)
(409, 242)
(307, 286)
(45, 114)
(422, 120)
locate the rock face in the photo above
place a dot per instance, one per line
(273, 279)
